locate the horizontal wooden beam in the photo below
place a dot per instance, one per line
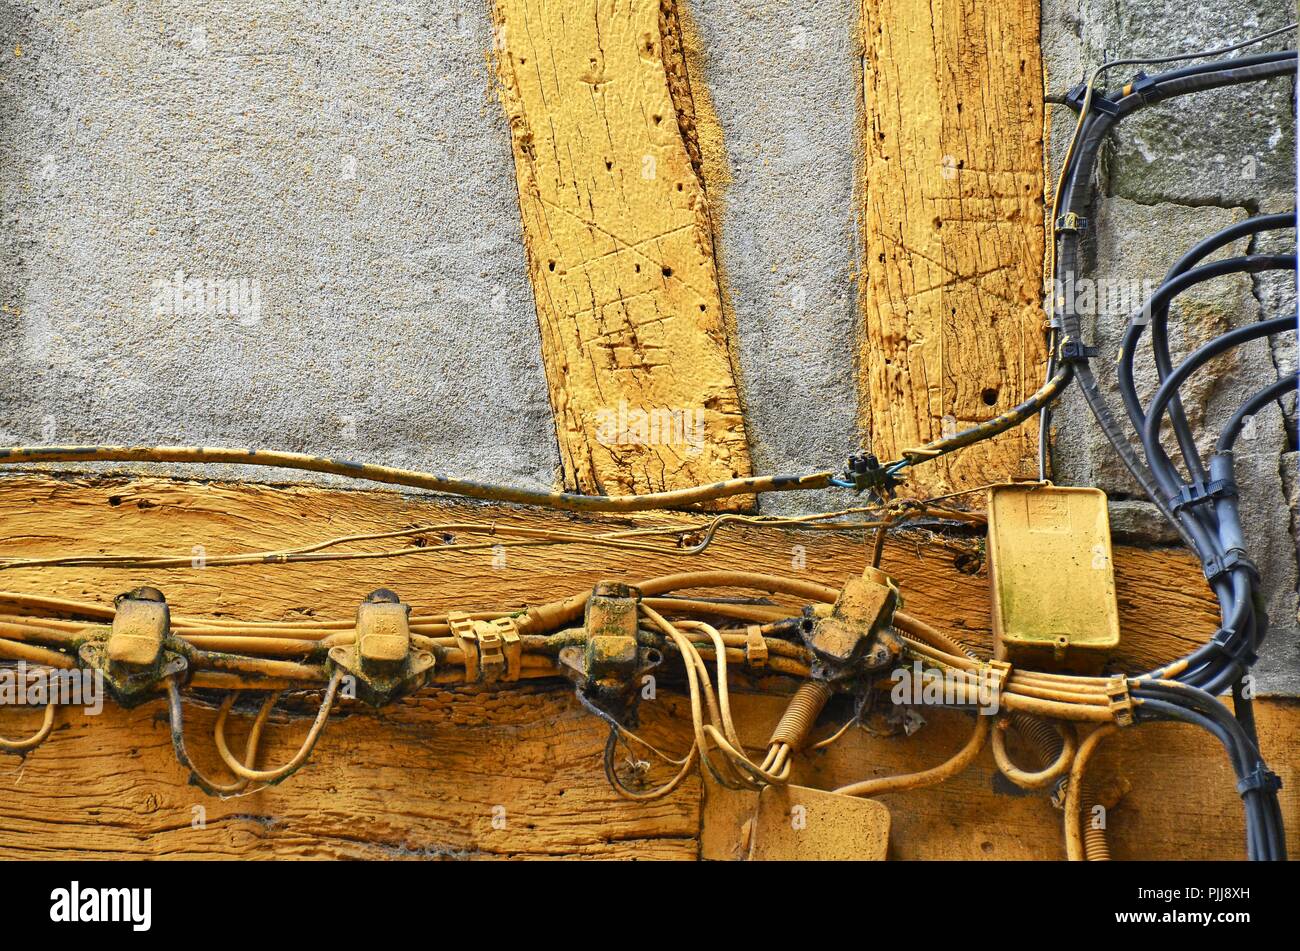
(1164, 605)
(516, 772)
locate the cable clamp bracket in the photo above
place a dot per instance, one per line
(1121, 703)
(994, 675)
(1260, 778)
(493, 651)
(1070, 223)
(1201, 491)
(755, 647)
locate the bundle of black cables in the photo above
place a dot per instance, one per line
(1202, 502)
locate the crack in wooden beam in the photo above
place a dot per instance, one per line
(952, 182)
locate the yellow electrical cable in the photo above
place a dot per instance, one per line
(388, 475)
(36, 739)
(929, 777)
(705, 731)
(274, 775)
(1041, 778)
(1074, 848)
(250, 745)
(729, 740)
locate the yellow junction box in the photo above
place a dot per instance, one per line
(1052, 577)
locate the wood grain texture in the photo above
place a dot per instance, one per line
(619, 243)
(1164, 606)
(421, 779)
(512, 774)
(426, 779)
(952, 180)
(1177, 795)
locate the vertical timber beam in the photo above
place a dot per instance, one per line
(952, 181)
(619, 243)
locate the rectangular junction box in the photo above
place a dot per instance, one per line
(1052, 577)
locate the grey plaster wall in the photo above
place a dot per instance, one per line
(784, 83)
(343, 164)
(349, 166)
(345, 169)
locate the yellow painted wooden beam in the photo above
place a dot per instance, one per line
(619, 243)
(952, 180)
(516, 771)
(1165, 607)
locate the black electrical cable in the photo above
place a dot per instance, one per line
(1215, 534)
(1091, 131)
(1158, 707)
(1250, 60)
(1078, 196)
(1201, 356)
(1274, 391)
(1159, 315)
(1166, 87)
(1210, 547)
(1237, 625)
(1246, 748)
(1156, 310)
(1203, 54)
(1255, 783)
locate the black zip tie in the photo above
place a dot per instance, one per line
(1216, 567)
(1260, 778)
(1075, 351)
(1200, 492)
(1242, 655)
(1144, 86)
(1098, 102)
